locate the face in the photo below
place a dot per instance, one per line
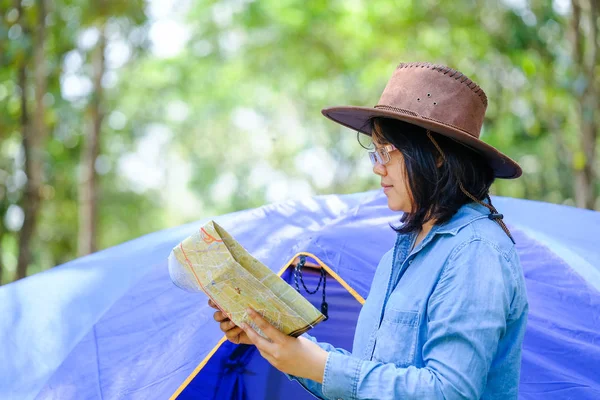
(393, 180)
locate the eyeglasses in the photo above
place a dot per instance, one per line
(381, 155)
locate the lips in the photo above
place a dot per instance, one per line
(383, 185)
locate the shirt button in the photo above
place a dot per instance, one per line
(410, 262)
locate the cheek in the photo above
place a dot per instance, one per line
(401, 185)
(398, 178)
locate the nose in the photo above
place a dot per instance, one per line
(379, 169)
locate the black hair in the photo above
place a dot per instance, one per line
(435, 181)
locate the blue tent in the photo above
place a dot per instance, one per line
(113, 326)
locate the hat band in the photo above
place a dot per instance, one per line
(414, 114)
(402, 110)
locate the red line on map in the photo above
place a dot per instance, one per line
(208, 238)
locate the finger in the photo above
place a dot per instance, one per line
(227, 325)
(263, 345)
(233, 335)
(234, 331)
(272, 333)
(212, 304)
(239, 338)
(220, 316)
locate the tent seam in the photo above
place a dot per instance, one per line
(97, 361)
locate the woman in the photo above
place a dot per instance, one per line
(446, 313)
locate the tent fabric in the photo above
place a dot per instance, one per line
(219, 377)
(228, 375)
(112, 325)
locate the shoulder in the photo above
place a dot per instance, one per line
(483, 254)
(471, 227)
(483, 234)
(474, 244)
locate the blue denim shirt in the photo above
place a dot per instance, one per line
(443, 321)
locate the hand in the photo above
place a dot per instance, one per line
(295, 356)
(233, 333)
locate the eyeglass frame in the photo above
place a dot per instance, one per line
(383, 153)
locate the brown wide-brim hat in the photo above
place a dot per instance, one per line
(437, 98)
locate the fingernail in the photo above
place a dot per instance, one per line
(249, 311)
(244, 326)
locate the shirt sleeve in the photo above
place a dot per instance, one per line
(314, 387)
(467, 314)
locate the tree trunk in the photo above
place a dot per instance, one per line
(88, 188)
(34, 138)
(586, 49)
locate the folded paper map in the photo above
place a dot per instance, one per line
(213, 262)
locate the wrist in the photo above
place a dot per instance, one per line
(318, 363)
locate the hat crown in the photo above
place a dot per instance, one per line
(437, 93)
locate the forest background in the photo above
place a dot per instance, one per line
(120, 118)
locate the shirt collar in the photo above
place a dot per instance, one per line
(464, 216)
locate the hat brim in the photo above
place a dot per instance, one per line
(357, 118)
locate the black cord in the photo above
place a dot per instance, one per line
(298, 272)
(322, 278)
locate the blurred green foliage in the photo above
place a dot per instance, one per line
(232, 119)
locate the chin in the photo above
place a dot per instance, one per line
(395, 207)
